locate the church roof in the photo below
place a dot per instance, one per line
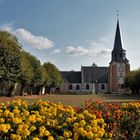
(92, 74)
(71, 76)
(117, 41)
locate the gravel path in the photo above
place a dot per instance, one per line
(76, 100)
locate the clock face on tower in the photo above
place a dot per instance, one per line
(121, 70)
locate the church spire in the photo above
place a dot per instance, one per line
(117, 41)
(118, 53)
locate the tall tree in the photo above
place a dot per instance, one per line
(9, 59)
(133, 81)
(32, 73)
(53, 76)
(26, 71)
(38, 73)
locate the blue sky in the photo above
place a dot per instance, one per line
(71, 33)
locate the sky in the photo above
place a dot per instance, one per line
(73, 33)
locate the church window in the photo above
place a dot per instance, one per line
(120, 55)
(70, 87)
(77, 87)
(102, 87)
(87, 86)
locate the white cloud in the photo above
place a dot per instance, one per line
(56, 51)
(7, 27)
(95, 49)
(76, 51)
(26, 37)
(99, 49)
(39, 42)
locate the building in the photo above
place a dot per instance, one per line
(94, 79)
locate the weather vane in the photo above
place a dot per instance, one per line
(117, 14)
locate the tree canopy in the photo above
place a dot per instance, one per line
(17, 65)
(133, 81)
(9, 57)
(53, 76)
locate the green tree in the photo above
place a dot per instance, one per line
(9, 59)
(53, 76)
(133, 81)
(26, 71)
(38, 74)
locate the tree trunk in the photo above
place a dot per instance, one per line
(22, 89)
(11, 91)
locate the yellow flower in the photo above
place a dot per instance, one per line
(58, 127)
(48, 123)
(80, 117)
(32, 118)
(26, 132)
(32, 128)
(17, 120)
(94, 129)
(88, 128)
(100, 134)
(15, 137)
(61, 138)
(110, 135)
(66, 134)
(3, 128)
(82, 123)
(68, 120)
(35, 138)
(6, 113)
(80, 129)
(94, 122)
(50, 138)
(46, 133)
(60, 115)
(11, 115)
(76, 136)
(97, 139)
(75, 125)
(8, 126)
(85, 112)
(26, 113)
(93, 117)
(83, 133)
(101, 120)
(2, 120)
(64, 125)
(16, 111)
(89, 135)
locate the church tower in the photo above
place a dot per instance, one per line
(119, 65)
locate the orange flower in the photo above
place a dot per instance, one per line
(108, 114)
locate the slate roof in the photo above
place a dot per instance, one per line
(71, 76)
(90, 74)
(117, 41)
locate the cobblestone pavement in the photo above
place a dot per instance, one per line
(76, 100)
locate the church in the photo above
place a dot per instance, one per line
(94, 79)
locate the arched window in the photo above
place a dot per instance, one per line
(102, 87)
(87, 86)
(77, 87)
(70, 87)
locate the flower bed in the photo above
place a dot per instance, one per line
(45, 120)
(95, 120)
(122, 119)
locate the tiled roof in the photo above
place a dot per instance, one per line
(71, 76)
(92, 74)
